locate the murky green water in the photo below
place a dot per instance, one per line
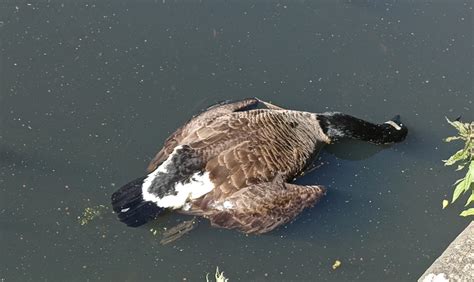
(90, 91)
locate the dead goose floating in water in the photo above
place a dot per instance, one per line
(231, 164)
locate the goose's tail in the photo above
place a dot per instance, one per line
(130, 207)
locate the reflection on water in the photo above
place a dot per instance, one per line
(354, 150)
(89, 91)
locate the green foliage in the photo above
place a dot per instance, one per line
(464, 158)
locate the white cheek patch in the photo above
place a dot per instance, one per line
(393, 124)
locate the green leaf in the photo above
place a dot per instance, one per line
(463, 184)
(471, 199)
(458, 156)
(452, 138)
(460, 189)
(459, 180)
(458, 125)
(467, 212)
(470, 173)
(461, 166)
(453, 123)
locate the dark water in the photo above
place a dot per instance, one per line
(90, 91)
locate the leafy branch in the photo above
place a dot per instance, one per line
(463, 158)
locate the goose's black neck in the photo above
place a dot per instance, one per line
(338, 126)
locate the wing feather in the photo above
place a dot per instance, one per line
(252, 147)
(199, 122)
(263, 207)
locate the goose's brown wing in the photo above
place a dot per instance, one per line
(262, 207)
(250, 162)
(196, 122)
(250, 148)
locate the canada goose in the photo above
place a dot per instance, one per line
(233, 162)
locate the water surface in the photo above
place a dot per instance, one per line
(89, 92)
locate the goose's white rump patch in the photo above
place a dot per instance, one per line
(198, 186)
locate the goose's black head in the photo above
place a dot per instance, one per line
(338, 126)
(394, 130)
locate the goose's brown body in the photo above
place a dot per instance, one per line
(250, 155)
(232, 164)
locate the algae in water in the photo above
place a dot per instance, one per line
(90, 213)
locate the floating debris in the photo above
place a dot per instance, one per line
(445, 203)
(154, 231)
(219, 276)
(336, 264)
(90, 213)
(178, 231)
